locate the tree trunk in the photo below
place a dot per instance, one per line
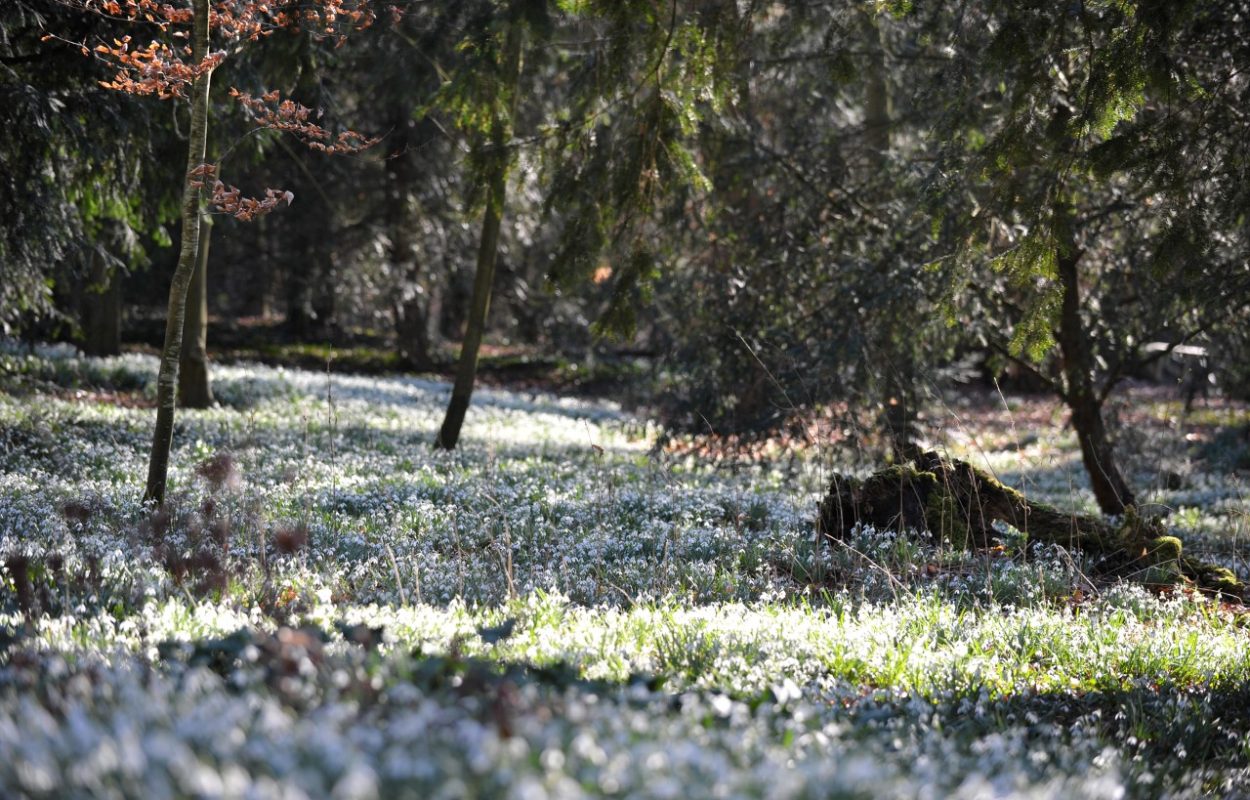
(101, 310)
(298, 322)
(898, 415)
(325, 298)
(1111, 490)
(194, 389)
(411, 328)
(411, 318)
(167, 378)
(484, 277)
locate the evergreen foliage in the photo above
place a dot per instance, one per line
(72, 165)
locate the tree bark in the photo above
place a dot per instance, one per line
(1111, 490)
(325, 298)
(101, 310)
(171, 352)
(484, 277)
(411, 319)
(194, 389)
(299, 318)
(898, 415)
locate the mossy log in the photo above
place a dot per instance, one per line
(954, 502)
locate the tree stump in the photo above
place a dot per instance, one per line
(954, 502)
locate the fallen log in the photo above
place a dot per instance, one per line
(952, 502)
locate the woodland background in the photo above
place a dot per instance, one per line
(861, 410)
(740, 215)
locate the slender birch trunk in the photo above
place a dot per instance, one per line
(488, 249)
(167, 378)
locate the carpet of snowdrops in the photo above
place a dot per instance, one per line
(330, 608)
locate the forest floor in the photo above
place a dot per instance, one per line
(562, 609)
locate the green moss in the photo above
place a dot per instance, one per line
(1134, 527)
(1163, 549)
(1223, 580)
(942, 516)
(994, 483)
(905, 473)
(957, 502)
(1214, 578)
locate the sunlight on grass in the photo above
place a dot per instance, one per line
(556, 610)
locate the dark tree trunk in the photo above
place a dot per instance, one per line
(310, 284)
(898, 415)
(411, 320)
(1111, 490)
(171, 352)
(101, 312)
(413, 332)
(264, 283)
(458, 290)
(325, 299)
(194, 389)
(484, 277)
(299, 317)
